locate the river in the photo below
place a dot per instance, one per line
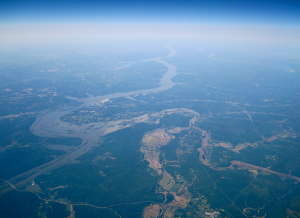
(48, 124)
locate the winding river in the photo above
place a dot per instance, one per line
(48, 124)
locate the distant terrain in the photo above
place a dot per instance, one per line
(171, 133)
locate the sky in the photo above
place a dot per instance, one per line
(82, 23)
(197, 12)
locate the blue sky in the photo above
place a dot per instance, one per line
(211, 12)
(63, 23)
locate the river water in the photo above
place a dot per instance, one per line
(48, 124)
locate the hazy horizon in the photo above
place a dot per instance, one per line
(71, 24)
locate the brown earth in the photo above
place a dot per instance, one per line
(267, 170)
(272, 138)
(180, 201)
(152, 211)
(152, 142)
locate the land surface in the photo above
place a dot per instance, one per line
(171, 136)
